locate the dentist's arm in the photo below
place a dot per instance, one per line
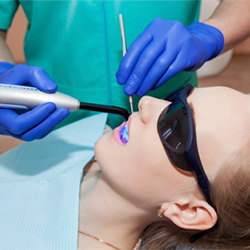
(165, 47)
(40, 121)
(232, 18)
(5, 55)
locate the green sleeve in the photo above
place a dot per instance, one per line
(7, 10)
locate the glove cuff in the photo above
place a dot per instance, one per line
(5, 66)
(210, 34)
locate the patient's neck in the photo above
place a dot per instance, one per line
(107, 215)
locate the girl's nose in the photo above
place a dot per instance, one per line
(151, 108)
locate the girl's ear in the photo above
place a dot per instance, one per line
(197, 214)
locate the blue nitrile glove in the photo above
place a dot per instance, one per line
(165, 48)
(38, 122)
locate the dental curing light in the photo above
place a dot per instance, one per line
(26, 98)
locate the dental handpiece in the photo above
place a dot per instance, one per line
(26, 98)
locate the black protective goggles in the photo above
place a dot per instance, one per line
(176, 129)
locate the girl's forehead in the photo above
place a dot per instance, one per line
(221, 124)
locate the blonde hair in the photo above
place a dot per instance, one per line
(231, 195)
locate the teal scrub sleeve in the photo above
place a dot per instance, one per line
(7, 11)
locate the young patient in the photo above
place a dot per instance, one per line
(141, 179)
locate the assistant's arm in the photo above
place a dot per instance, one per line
(5, 54)
(232, 18)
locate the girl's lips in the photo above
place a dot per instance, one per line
(124, 134)
(116, 134)
(116, 131)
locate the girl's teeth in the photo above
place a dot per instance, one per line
(124, 133)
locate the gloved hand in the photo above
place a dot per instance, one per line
(38, 122)
(165, 48)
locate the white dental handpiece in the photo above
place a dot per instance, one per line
(21, 97)
(25, 97)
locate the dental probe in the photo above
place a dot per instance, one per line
(26, 98)
(124, 49)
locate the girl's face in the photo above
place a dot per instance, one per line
(141, 170)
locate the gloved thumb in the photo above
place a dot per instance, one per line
(4, 66)
(22, 74)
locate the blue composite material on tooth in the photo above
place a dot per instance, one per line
(124, 133)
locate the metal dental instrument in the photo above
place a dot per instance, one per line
(21, 97)
(124, 49)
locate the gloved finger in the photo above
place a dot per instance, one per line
(44, 135)
(177, 66)
(130, 59)
(4, 132)
(32, 75)
(144, 63)
(51, 126)
(157, 71)
(18, 124)
(46, 126)
(49, 131)
(5, 66)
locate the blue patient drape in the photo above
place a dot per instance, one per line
(39, 187)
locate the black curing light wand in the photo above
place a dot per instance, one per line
(26, 98)
(105, 108)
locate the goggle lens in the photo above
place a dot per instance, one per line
(173, 130)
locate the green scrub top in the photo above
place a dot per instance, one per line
(78, 43)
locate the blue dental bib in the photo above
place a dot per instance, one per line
(39, 187)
